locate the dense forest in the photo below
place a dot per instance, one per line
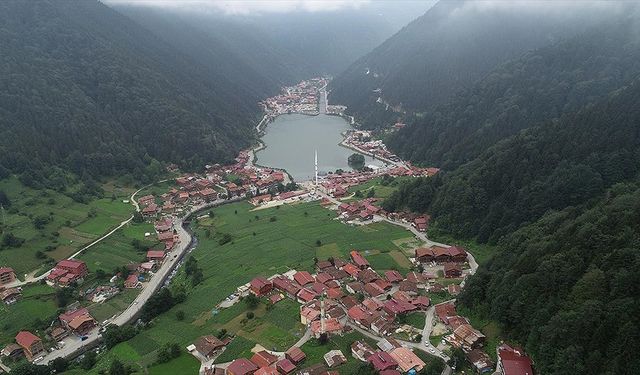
(540, 157)
(567, 286)
(448, 49)
(540, 85)
(87, 90)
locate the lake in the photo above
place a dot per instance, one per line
(291, 140)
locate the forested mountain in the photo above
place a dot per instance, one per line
(561, 199)
(87, 89)
(558, 164)
(567, 287)
(256, 61)
(450, 47)
(542, 84)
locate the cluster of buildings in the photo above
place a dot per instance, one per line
(363, 141)
(511, 360)
(301, 98)
(77, 321)
(340, 295)
(66, 272)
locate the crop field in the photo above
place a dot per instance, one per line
(54, 224)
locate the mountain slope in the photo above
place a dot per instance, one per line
(86, 88)
(542, 84)
(256, 62)
(450, 47)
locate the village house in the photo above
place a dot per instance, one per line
(78, 321)
(68, 271)
(242, 366)
(31, 344)
(382, 361)
(359, 260)
(334, 358)
(383, 325)
(513, 361)
(10, 296)
(285, 366)
(441, 254)
(295, 355)
(58, 334)
(208, 345)
(388, 344)
(263, 359)
(444, 311)
(151, 210)
(285, 285)
(394, 307)
(393, 276)
(156, 256)
(132, 281)
(480, 361)
(329, 326)
(468, 337)
(260, 286)
(361, 350)
(452, 270)
(303, 278)
(7, 275)
(269, 370)
(306, 295)
(407, 360)
(12, 351)
(421, 223)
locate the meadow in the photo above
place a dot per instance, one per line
(65, 225)
(262, 242)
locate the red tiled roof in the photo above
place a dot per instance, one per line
(242, 366)
(303, 277)
(26, 339)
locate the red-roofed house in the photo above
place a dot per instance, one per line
(285, 366)
(260, 286)
(264, 359)
(382, 361)
(305, 295)
(395, 307)
(351, 269)
(30, 343)
(242, 366)
(393, 276)
(303, 278)
(156, 255)
(68, 271)
(79, 321)
(452, 270)
(132, 281)
(359, 260)
(295, 355)
(329, 326)
(513, 361)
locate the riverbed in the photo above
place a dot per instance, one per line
(291, 140)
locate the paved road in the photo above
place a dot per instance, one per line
(174, 257)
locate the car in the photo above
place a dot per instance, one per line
(432, 350)
(83, 338)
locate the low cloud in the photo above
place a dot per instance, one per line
(243, 7)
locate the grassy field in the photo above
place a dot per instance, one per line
(416, 319)
(259, 245)
(315, 351)
(37, 303)
(380, 191)
(69, 224)
(117, 249)
(185, 364)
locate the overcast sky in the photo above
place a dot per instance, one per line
(252, 6)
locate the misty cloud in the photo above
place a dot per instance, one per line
(243, 7)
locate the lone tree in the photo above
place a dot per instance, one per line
(356, 161)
